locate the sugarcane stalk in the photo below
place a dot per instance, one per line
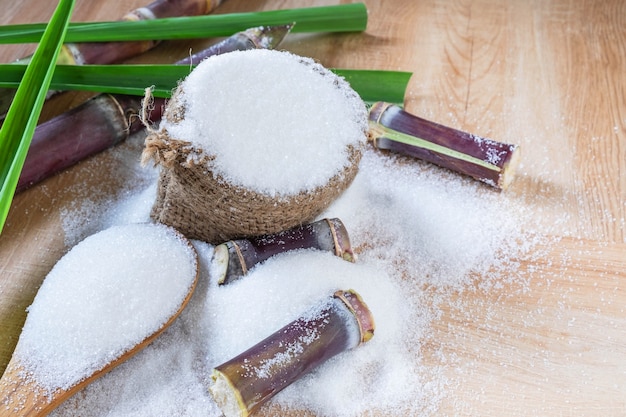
(112, 52)
(392, 128)
(233, 259)
(108, 119)
(341, 322)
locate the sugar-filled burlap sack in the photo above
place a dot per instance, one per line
(204, 197)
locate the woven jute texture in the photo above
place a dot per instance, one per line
(202, 205)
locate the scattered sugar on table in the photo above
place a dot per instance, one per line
(415, 227)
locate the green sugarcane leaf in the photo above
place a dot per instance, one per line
(371, 85)
(18, 127)
(113, 79)
(338, 18)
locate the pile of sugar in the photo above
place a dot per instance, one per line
(126, 198)
(431, 225)
(371, 374)
(107, 294)
(415, 226)
(272, 122)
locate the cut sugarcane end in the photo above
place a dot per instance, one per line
(509, 168)
(361, 312)
(219, 263)
(227, 397)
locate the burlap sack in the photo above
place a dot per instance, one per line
(202, 205)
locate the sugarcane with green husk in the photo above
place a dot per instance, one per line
(233, 259)
(111, 52)
(334, 325)
(394, 129)
(108, 119)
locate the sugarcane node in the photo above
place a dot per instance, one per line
(125, 113)
(100, 118)
(233, 259)
(333, 234)
(341, 240)
(375, 129)
(361, 312)
(377, 110)
(235, 248)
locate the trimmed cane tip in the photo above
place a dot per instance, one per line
(219, 263)
(509, 168)
(227, 397)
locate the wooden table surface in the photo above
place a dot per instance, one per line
(548, 75)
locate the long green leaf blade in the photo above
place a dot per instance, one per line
(18, 127)
(114, 79)
(372, 85)
(338, 18)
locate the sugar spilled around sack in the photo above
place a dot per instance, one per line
(410, 222)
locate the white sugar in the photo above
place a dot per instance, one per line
(107, 294)
(312, 277)
(423, 234)
(89, 209)
(275, 123)
(171, 377)
(434, 225)
(416, 226)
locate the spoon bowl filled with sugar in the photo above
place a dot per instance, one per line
(104, 300)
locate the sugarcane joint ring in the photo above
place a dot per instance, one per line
(361, 312)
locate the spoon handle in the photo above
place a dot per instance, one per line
(21, 396)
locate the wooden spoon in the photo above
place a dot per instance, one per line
(22, 395)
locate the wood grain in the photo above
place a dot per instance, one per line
(548, 75)
(552, 347)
